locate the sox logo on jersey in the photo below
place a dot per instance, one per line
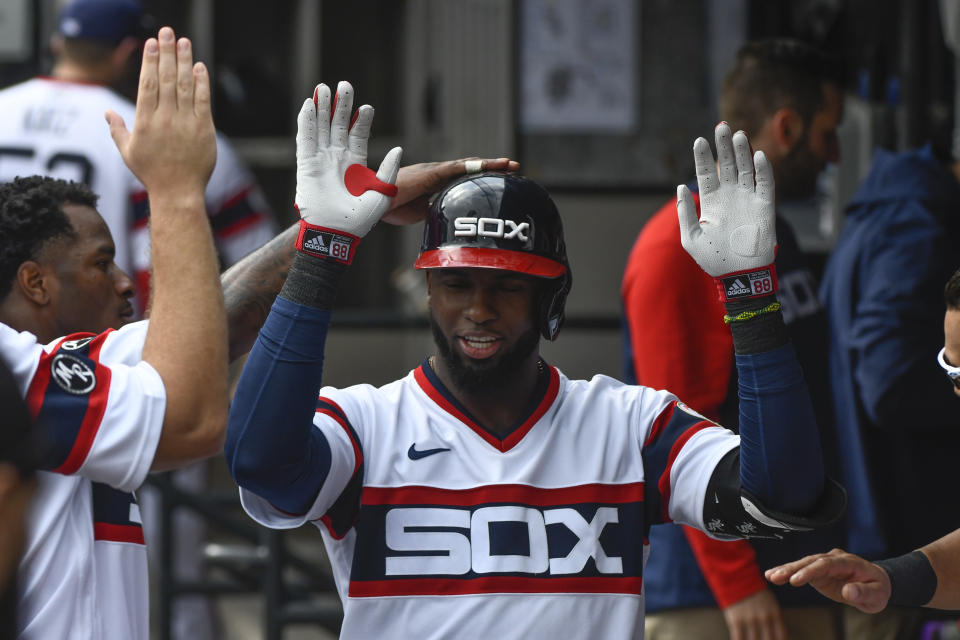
(406, 527)
(421, 540)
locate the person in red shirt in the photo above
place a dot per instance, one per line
(785, 97)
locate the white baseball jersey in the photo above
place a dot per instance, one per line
(56, 128)
(436, 528)
(84, 571)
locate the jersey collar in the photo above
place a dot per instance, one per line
(548, 385)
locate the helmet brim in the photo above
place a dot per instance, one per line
(490, 258)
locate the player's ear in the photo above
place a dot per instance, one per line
(427, 274)
(123, 51)
(34, 282)
(786, 129)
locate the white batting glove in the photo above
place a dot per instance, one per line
(735, 238)
(338, 197)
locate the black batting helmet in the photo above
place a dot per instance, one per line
(501, 221)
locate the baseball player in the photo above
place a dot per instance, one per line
(485, 494)
(126, 401)
(786, 96)
(54, 126)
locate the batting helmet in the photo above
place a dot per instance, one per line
(501, 221)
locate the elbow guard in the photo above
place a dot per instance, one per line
(730, 511)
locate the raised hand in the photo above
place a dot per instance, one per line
(338, 197)
(172, 148)
(736, 231)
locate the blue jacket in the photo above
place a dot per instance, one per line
(897, 418)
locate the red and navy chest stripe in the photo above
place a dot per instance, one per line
(116, 515)
(68, 394)
(419, 540)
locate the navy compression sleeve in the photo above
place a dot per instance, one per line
(273, 448)
(780, 458)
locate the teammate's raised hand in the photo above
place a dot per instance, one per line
(338, 197)
(736, 230)
(172, 148)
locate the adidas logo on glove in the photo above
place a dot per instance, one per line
(737, 289)
(315, 244)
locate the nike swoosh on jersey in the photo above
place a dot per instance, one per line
(414, 454)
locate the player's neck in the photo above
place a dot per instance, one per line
(69, 71)
(21, 316)
(501, 405)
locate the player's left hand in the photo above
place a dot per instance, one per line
(736, 230)
(840, 576)
(415, 184)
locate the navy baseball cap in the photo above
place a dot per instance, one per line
(109, 21)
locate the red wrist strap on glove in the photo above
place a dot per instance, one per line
(321, 242)
(749, 283)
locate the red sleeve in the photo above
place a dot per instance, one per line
(730, 568)
(681, 344)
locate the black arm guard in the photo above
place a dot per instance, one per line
(729, 511)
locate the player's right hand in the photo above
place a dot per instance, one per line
(736, 232)
(338, 197)
(840, 576)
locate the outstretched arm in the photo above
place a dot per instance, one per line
(927, 577)
(778, 471)
(172, 151)
(840, 576)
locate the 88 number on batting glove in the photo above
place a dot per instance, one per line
(338, 197)
(735, 238)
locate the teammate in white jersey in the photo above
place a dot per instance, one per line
(485, 494)
(121, 403)
(54, 126)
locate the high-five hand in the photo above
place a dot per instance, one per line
(173, 144)
(338, 197)
(735, 238)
